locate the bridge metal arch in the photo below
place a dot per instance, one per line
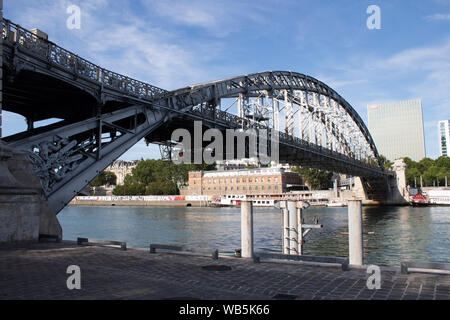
(252, 85)
(68, 157)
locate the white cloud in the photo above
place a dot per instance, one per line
(218, 18)
(438, 17)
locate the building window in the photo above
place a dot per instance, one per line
(249, 179)
(269, 180)
(209, 181)
(244, 180)
(249, 188)
(256, 179)
(275, 179)
(238, 180)
(215, 181)
(220, 181)
(262, 179)
(256, 188)
(232, 181)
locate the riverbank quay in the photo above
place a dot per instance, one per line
(39, 272)
(138, 203)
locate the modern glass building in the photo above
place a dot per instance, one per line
(397, 129)
(444, 137)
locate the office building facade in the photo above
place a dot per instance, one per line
(444, 137)
(397, 129)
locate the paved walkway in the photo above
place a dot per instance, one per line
(38, 271)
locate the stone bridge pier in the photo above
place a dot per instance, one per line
(24, 211)
(399, 190)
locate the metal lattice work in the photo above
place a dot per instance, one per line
(66, 159)
(70, 62)
(300, 107)
(315, 125)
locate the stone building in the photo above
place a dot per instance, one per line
(121, 169)
(242, 182)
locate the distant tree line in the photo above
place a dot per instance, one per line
(433, 172)
(157, 177)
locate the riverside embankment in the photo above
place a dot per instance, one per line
(39, 271)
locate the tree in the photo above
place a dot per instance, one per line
(316, 179)
(158, 177)
(387, 164)
(105, 178)
(412, 176)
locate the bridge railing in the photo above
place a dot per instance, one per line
(55, 55)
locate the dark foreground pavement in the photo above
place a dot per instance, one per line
(38, 271)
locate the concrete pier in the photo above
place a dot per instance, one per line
(247, 229)
(355, 238)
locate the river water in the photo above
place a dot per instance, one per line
(401, 233)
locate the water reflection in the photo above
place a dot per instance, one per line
(401, 233)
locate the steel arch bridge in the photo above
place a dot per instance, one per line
(103, 114)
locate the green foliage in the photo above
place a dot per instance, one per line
(430, 170)
(158, 177)
(105, 178)
(386, 163)
(316, 179)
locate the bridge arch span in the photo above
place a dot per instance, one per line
(295, 104)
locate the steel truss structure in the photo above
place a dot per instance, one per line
(310, 119)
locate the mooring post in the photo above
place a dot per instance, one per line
(300, 228)
(285, 227)
(355, 239)
(246, 229)
(293, 234)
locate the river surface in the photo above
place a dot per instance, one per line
(401, 233)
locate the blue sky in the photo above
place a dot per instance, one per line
(172, 44)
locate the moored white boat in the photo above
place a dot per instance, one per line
(334, 203)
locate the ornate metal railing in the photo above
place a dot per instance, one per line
(57, 56)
